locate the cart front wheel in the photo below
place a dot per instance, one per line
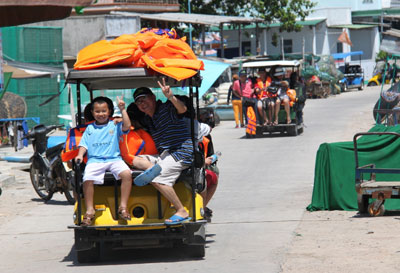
(379, 212)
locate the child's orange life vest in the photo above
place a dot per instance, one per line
(263, 86)
(71, 146)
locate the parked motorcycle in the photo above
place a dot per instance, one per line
(48, 172)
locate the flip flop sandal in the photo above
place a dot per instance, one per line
(147, 176)
(124, 214)
(176, 220)
(87, 219)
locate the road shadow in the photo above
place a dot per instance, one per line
(388, 213)
(108, 256)
(52, 202)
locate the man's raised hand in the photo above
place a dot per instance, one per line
(121, 103)
(166, 89)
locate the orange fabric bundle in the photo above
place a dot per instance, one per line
(251, 121)
(157, 49)
(136, 142)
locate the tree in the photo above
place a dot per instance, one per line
(284, 11)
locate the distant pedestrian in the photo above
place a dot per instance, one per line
(236, 102)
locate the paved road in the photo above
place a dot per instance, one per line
(265, 185)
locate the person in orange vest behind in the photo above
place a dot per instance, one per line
(211, 174)
(260, 88)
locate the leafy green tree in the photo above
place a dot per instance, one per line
(284, 11)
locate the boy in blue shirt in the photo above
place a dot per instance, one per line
(101, 143)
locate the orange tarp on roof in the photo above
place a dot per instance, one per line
(157, 49)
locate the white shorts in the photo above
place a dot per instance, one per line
(170, 169)
(96, 171)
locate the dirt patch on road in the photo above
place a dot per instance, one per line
(342, 241)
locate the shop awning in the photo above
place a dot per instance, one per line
(338, 56)
(354, 26)
(21, 70)
(212, 71)
(18, 12)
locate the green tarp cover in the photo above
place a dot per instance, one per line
(334, 178)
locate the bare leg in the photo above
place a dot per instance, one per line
(277, 108)
(270, 111)
(260, 111)
(88, 191)
(126, 186)
(209, 194)
(141, 163)
(169, 193)
(287, 110)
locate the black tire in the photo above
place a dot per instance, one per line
(38, 183)
(372, 84)
(70, 197)
(69, 191)
(292, 130)
(195, 251)
(91, 255)
(362, 86)
(362, 202)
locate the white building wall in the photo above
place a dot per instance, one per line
(334, 16)
(355, 5)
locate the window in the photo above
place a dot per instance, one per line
(288, 46)
(339, 47)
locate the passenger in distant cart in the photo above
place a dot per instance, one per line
(244, 87)
(260, 89)
(282, 97)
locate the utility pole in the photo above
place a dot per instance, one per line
(190, 27)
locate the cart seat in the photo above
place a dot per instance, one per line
(109, 179)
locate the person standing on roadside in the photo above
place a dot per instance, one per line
(244, 87)
(236, 102)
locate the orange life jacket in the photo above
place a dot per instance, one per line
(263, 86)
(136, 142)
(251, 121)
(292, 96)
(204, 146)
(71, 146)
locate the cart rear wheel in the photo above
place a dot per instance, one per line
(372, 84)
(362, 201)
(195, 251)
(292, 130)
(90, 255)
(379, 212)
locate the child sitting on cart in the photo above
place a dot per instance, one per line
(100, 142)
